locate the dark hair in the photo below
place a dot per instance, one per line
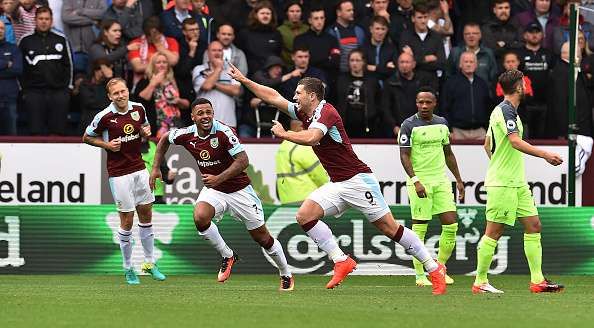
(428, 89)
(96, 64)
(150, 23)
(509, 81)
(253, 22)
(315, 10)
(105, 25)
(498, 2)
(189, 21)
(291, 3)
(472, 23)
(340, 2)
(200, 101)
(44, 9)
(300, 47)
(380, 20)
(312, 84)
(420, 8)
(357, 51)
(225, 24)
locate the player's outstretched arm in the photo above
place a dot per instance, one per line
(526, 148)
(487, 146)
(309, 137)
(113, 145)
(453, 166)
(162, 148)
(240, 163)
(268, 95)
(408, 168)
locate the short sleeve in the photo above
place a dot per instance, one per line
(96, 127)
(510, 117)
(234, 147)
(174, 134)
(446, 133)
(404, 134)
(324, 120)
(292, 108)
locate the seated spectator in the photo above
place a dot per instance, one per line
(440, 22)
(465, 101)
(542, 13)
(93, 93)
(561, 31)
(500, 33)
(398, 101)
(357, 94)
(537, 62)
(301, 69)
(260, 39)
(487, 65)
(425, 45)
(291, 28)
(231, 53)
(324, 50)
(129, 14)
(379, 51)
(23, 19)
(46, 83)
(11, 67)
(110, 46)
(8, 7)
(159, 94)
(211, 81)
(190, 56)
(349, 35)
(150, 42)
(80, 18)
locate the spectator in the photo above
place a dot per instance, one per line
(379, 51)
(260, 38)
(470, 11)
(586, 64)
(400, 19)
(301, 68)
(11, 67)
(487, 65)
(440, 22)
(211, 81)
(47, 76)
(235, 12)
(231, 53)
(173, 18)
(159, 94)
(557, 121)
(499, 33)
(291, 28)
(378, 8)
(520, 6)
(190, 56)
(465, 101)
(425, 45)
(399, 95)
(324, 50)
(128, 14)
(92, 91)
(537, 62)
(23, 19)
(349, 35)
(109, 46)
(80, 18)
(8, 7)
(561, 31)
(541, 13)
(298, 170)
(206, 22)
(357, 93)
(150, 42)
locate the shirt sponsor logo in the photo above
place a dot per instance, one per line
(204, 155)
(128, 128)
(208, 163)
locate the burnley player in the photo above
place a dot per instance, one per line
(118, 129)
(222, 161)
(425, 151)
(508, 196)
(352, 182)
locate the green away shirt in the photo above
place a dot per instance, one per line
(506, 167)
(426, 140)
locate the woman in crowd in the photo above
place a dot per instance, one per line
(109, 46)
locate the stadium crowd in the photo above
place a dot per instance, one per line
(373, 56)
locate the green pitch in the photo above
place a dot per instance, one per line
(253, 301)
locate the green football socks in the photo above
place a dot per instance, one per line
(447, 242)
(533, 251)
(484, 254)
(420, 230)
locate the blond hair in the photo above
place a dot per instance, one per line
(151, 71)
(114, 81)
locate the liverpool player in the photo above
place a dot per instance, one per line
(352, 182)
(118, 129)
(222, 161)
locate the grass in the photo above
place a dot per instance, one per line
(253, 301)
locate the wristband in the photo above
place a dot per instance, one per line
(414, 179)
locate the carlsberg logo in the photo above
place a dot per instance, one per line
(375, 253)
(12, 236)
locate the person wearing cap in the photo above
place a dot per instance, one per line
(298, 170)
(543, 14)
(538, 62)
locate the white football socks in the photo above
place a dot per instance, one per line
(125, 237)
(147, 238)
(322, 235)
(278, 256)
(213, 236)
(415, 247)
